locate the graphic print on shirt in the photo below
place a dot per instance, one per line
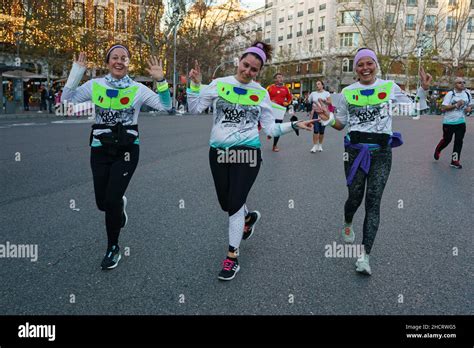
(111, 117)
(370, 118)
(239, 117)
(114, 105)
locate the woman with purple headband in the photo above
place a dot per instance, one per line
(365, 107)
(114, 138)
(239, 104)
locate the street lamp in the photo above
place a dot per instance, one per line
(176, 15)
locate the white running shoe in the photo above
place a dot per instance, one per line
(362, 265)
(348, 234)
(314, 148)
(320, 149)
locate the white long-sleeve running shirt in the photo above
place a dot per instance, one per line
(236, 124)
(124, 110)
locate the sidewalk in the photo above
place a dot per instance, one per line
(27, 114)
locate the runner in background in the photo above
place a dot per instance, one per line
(281, 95)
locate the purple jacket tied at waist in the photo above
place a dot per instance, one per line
(363, 158)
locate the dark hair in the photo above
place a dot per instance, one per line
(322, 82)
(278, 73)
(114, 46)
(268, 49)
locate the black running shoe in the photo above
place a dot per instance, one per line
(249, 227)
(111, 258)
(229, 269)
(124, 212)
(456, 164)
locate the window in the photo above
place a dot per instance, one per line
(99, 17)
(280, 38)
(350, 17)
(281, 20)
(432, 3)
(268, 23)
(290, 17)
(452, 2)
(319, 67)
(280, 50)
(412, 3)
(470, 25)
(289, 49)
(120, 20)
(299, 47)
(290, 35)
(450, 24)
(392, 2)
(311, 10)
(472, 4)
(322, 26)
(430, 22)
(310, 45)
(322, 7)
(410, 22)
(78, 14)
(311, 23)
(390, 19)
(347, 65)
(349, 40)
(321, 43)
(300, 14)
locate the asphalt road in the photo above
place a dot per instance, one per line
(175, 254)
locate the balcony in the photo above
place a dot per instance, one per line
(299, 33)
(410, 26)
(309, 31)
(289, 36)
(321, 28)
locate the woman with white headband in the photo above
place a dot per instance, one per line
(114, 138)
(366, 110)
(234, 155)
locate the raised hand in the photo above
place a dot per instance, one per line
(155, 68)
(82, 60)
(195, 74)
(425, 78)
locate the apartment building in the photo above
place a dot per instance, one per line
(318, 38)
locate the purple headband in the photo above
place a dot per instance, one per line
(114, 47)
(365, 52)
(258, 51)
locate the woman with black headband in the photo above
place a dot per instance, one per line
(365, 107)
(114, 139)
(239, 104)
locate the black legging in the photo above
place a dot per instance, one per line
(275, 139)
(112, 174)
(381, 163)
(233, 181)
(448, 130)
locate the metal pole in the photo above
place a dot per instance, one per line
(174, 69)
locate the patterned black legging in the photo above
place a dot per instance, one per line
(381, 163)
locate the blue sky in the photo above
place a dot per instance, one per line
(252, 4)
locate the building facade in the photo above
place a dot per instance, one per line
(317, 39)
